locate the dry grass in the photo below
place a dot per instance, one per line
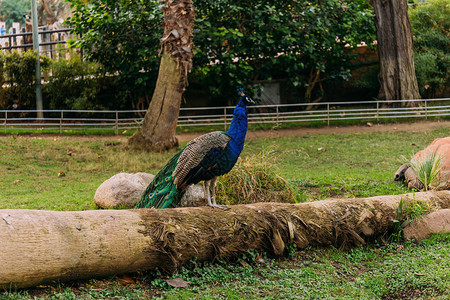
(253, 179)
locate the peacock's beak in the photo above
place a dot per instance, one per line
(249, 101)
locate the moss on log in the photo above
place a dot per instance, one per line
(43, 246)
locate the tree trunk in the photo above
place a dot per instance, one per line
(395, 50)
(158, 128)
(42, 246)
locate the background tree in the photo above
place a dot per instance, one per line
(431, 27)
(158, 128)
(306, 43)
(236, 44)
(13, 11)
(395, 50)
(50, 11)
(123, 36)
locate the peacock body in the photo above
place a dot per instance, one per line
(203, 159)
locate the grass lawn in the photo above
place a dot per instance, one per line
(316, 166)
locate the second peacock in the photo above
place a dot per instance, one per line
(203, 159)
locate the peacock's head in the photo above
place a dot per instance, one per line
(244, 98)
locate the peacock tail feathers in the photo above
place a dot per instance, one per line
(162, 192)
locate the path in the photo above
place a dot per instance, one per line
(183, 137)
(417, 126)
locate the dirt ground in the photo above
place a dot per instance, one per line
(416, 126)
(300, 131)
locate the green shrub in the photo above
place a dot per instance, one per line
(69, 83)
(78, 84)
(18, 79)
(431, 27)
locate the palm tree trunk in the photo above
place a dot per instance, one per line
(43, 246)
(158, 128)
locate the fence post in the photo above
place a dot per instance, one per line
(6, 119)
(328, 114)
(278, 116)
(378, 112)
(60, 122)
(225, 118)
(426, 109)
(117, 123)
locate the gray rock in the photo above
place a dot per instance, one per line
(194, 196)
(124, 190)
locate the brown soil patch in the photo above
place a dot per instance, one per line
(410, 127)
(300, 131)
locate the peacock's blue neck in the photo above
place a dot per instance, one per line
(238, 128)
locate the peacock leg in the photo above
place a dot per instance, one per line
(206, 191)
(213, 195)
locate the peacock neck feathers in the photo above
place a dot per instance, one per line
(238, 127)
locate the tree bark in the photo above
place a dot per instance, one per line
(395, 50)
(43, 246)
(158, 128)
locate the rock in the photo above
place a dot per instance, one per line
(435, 222)
(194, 196)
(442, 147)
(124, 190)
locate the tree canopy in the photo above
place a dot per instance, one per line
(236, 44)
(431, 27)
(13, 11)
(123, 36)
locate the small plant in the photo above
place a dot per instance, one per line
(409, 210)
(427, 168)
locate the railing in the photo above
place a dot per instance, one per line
(48, 38)
(220, 117)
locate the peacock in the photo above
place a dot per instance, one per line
(203, 159)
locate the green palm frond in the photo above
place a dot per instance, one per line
(427, 168)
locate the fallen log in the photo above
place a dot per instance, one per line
(43, 246)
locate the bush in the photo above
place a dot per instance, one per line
(431, 27)
(72, 83)
(80, 85)
(18, 79)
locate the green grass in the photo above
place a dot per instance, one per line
(347, 165)
(374, 271)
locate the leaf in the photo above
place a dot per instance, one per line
(125, 280)
(177, 283)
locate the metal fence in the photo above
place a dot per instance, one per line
(220, 117)
(48, 41)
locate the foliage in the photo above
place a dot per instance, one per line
(123, 36)
(236, 43)
(78, 84)
(427, 168)
(13, 11)
(254, 179)
(70, 83)
(264, 40)
(18, 75)
(431, 27)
